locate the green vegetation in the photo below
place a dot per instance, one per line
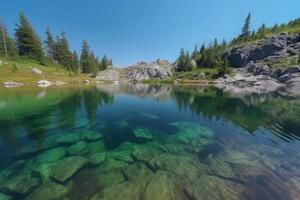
(19, 69)
(26, 48)
(291, 27)
(210, 58)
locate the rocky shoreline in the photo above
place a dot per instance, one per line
(265, 66)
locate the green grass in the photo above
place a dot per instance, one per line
(20, 70)
(210, 73)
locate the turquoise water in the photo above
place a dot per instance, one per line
(148, 142)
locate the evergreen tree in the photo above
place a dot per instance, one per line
(183, 62)
(246, 28)
(76, 64)
(195, 52)
(262, 31)
(62, 54)
(104, 63)
(28, 42)
(7, 45)
(202, 49)
(85, 57)
(50, 45)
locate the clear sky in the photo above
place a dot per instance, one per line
(134, 30)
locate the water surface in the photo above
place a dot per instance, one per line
(148, 142)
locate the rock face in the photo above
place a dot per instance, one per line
(258, 59)
(109, 75)
(272, 47)
(146, 71)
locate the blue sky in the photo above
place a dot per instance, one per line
(135, 30)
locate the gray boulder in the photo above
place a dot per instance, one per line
(260, 69)
(147, 71)
(272, 47)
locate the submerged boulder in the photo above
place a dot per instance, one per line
(164, 185)
(64, 169)
(91, 135)
(49, 191)
(52, 155)
(97, 158)
(4, 196)
(22, 184)
(143, 134)
(78, 148)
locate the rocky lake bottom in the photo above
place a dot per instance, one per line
(148, 142)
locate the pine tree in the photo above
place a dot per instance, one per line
(62, 54)
(195, 52)
(76, 64)
(7, 45)
(183, 62)
(202, 49)
(50, 45)
(246, 28)
(85, 57)
(104, 63)
(28, 42)
(262, 31)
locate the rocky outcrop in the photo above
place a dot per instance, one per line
(153, 70)
(270, 48)
(256, 78)
(266, 65)
(109, 75)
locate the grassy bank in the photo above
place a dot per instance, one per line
(21, 70)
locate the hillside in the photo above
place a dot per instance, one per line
(29, 72)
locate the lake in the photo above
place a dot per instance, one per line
(148, 142)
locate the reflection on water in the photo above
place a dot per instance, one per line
(148, 142)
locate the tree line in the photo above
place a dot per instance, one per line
(54, 50)
(212, 55)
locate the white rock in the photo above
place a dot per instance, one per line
(36, 70)
(12, 84)
(44, 83)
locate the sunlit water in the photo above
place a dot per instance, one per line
(148, 142)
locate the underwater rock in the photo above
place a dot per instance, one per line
(215, 188)
(164, 186)
(91, 135)
(125, 191)
(240, 158)
(95, 147)
(97, 158)
(64, 169)
(113, 164)
(137, 171)
(48, 191)
(189, 130)
(122, 155)
(182, 165)
(52, 155)
(67, 138)
(145, 153)
(5, 197)
(143, 134)
(121, 124)
(78, 148)
(43, 169)
(109, 178)
(22, 184)
(218, 166)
